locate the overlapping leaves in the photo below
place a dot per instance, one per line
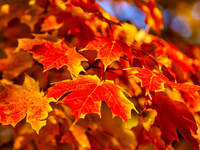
(72, 20)
(153, 81)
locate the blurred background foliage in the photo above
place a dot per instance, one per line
(181, 17)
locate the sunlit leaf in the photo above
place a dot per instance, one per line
(17, 101)
(87, 94)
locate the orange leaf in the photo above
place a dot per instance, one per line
(187, 88)
(154, 81)
(87, 94)
(150, 80)
(18, 101)
(109, 50)
(55, 54)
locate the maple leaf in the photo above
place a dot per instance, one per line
(18, 101)
(154, 81)
(87, 94)
(173, 114)
(55, 54)
(109, 50)
(150, 81)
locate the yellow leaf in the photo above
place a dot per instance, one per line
(17, 101)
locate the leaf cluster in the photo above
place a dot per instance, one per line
(74, 77)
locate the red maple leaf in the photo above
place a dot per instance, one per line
(54, 54)
(154, 81)
(87, 94)
(150, 80)
(109, 50)
(173, 115)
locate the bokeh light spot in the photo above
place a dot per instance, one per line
(181, 25)
(196, 11)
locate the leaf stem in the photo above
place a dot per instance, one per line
(45, 80)
(102, 66)
(110, 31)
(91, 66)
(142, 59)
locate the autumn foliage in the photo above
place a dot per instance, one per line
(75, 78)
